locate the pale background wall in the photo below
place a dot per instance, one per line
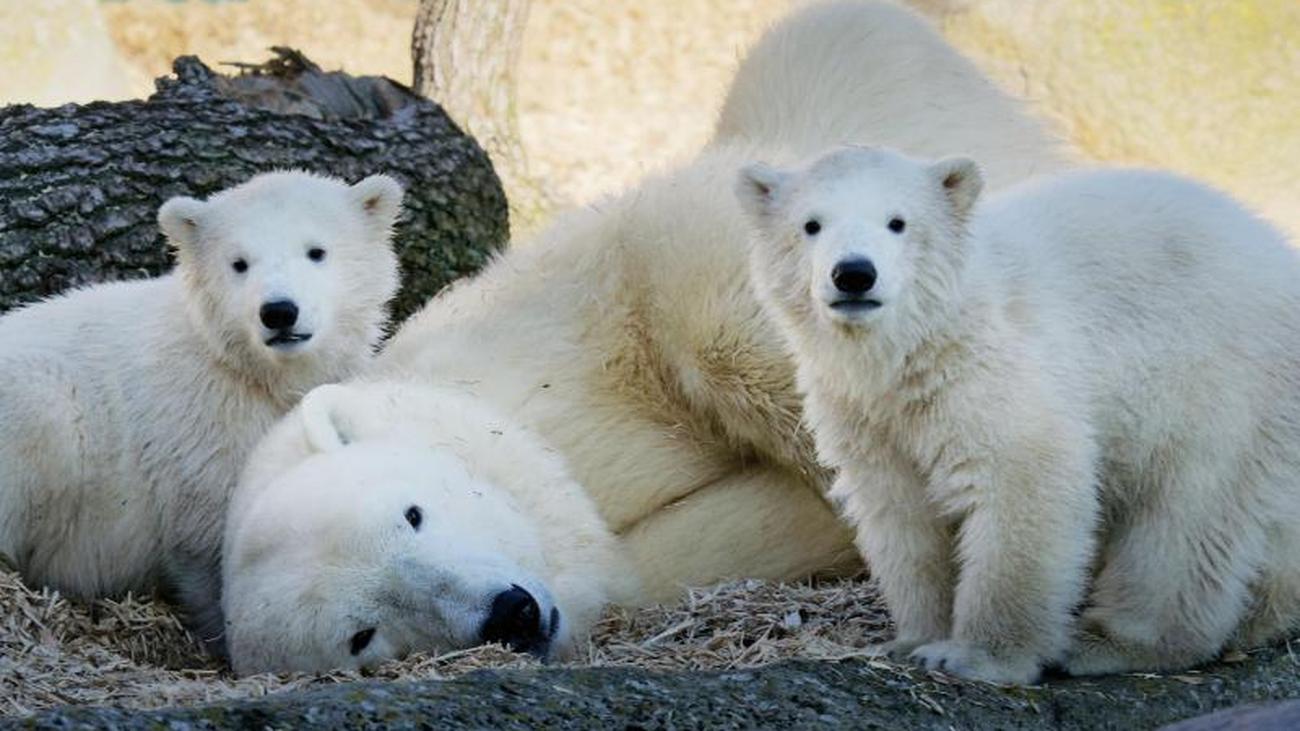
(612, 88)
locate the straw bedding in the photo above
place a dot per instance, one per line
(134, 653)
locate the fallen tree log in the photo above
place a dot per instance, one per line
(80, 185)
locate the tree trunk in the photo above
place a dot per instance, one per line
(80, 186)
(466, 54)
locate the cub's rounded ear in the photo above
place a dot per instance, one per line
(380, 198)
(179, 218)
(321, 415)
(759, 187)
(961, 180)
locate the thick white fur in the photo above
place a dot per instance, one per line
(1090, 381)
(854, 73)
(127, 410)
(628, 338)
(499, 509)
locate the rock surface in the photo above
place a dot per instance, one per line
(853, 693)
(1280, 716)
(80, 185)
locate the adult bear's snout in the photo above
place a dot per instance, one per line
(516, 621)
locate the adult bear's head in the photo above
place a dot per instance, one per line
(382, 519)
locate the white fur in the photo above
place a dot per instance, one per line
(877, 73)
(126, 410)
(317, 548)
(1089, 381)
(628, 338)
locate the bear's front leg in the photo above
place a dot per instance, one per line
(908, 547)
(1027, 493)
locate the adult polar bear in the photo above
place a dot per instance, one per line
(627, 337)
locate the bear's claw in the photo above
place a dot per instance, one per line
(898, 649)
(973, 662)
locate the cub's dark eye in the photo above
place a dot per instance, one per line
(812, 227)
(897, 225)
(414, 516)
(316, 253)
(240, 266)
(360, 641)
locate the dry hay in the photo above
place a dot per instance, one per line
(135, 654)
(645, 79)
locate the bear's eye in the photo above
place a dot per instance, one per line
(240, 266)
(316, 253)
(360, 641)
(897, 225)
(812, 227)
(414, 516)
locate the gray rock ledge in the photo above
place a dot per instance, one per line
(798, 694)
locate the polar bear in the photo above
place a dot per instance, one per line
(1098, 373)
(128, 409)
(627, 337)
(846, 72)
(487, 538)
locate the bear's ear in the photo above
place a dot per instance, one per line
(321, 418)
(758, 187)
(179, 220)
(380, 199)
(961, 181)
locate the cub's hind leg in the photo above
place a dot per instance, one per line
(1175, 576)
(1275, 613)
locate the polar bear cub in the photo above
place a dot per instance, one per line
(127, 409)
(388, 517)
(1086, 385)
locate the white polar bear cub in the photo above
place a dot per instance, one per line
(1098, 373)
(127, 409)
(383, 518)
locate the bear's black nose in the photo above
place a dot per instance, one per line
(516, 621)
(279, 315)
(854, 276)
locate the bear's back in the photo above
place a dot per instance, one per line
(1150, 295)
(1135, 245)
(96, 324)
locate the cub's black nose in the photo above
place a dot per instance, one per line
(279, 315)
(854, 276)
(516, 621)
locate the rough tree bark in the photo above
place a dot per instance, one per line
(80, 185)
(466, 54)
